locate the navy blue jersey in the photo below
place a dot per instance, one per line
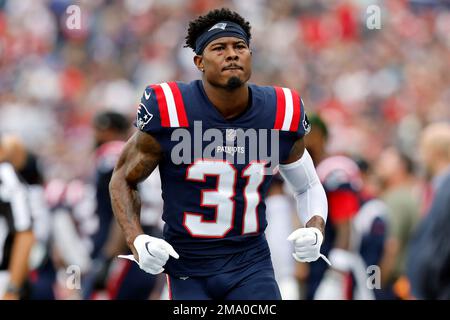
(215, 172)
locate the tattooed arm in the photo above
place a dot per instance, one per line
(139, 158)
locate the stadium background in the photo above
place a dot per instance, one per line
(375, 88)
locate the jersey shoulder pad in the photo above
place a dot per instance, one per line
(290, 112)
(161, 106)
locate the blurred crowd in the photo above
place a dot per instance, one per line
(381, 97)
(379, 86)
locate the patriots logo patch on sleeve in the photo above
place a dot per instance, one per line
(306, 125)
(143, 117)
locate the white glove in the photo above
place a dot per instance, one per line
(307, 242)
(153, 253)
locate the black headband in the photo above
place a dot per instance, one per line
(219, 30)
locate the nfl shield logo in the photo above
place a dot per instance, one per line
(230, 135)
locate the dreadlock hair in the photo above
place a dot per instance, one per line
(203, 23)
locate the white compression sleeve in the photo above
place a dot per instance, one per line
(308, 191)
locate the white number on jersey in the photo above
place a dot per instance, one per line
(222, 198)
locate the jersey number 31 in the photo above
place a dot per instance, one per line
(222, 198)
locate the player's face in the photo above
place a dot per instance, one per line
(226, 62)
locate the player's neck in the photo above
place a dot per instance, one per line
(229, 103)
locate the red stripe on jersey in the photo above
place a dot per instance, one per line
(162, 104)
(169, 287)
(296, 112)
(179, 104)
(281, 108)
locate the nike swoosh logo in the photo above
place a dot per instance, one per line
(184, 278)
(147, 95)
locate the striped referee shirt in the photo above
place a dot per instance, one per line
(15, 215)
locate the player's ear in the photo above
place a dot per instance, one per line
(198, 61)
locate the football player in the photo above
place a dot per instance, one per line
(203, 135)
(121, 279)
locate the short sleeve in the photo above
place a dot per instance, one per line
(290, 113)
